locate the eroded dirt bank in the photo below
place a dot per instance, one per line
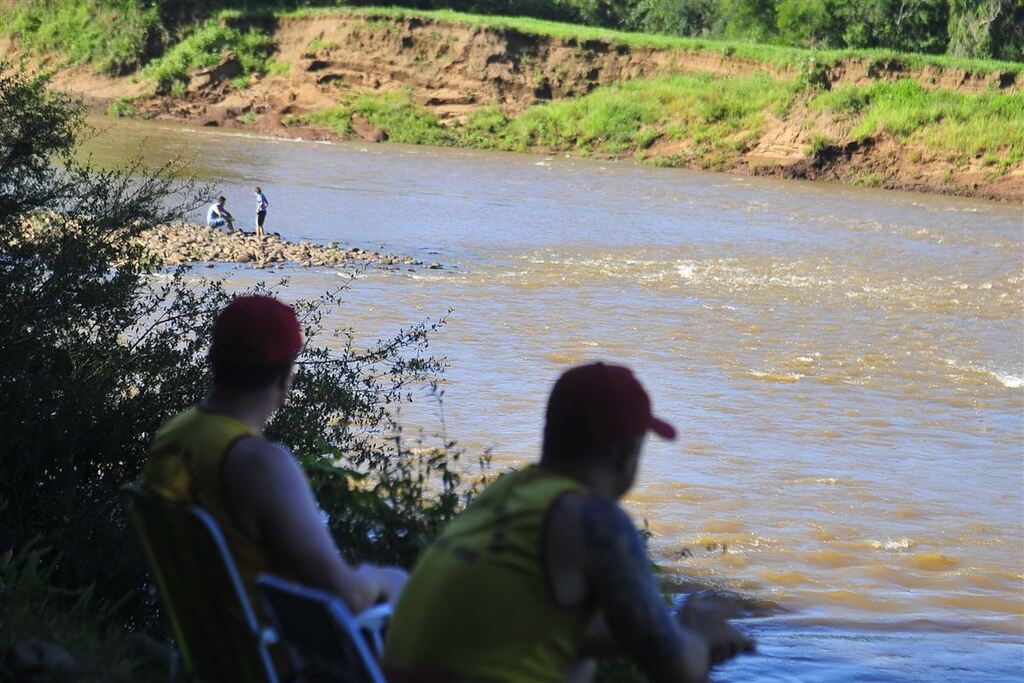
(453, 69)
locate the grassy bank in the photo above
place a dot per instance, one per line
(117, 39)
(713, 121)
(911, 120)
(954, 126)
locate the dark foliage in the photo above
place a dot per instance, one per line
(95, 353)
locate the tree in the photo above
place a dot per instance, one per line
(987, 28)
(908, 25)
(752, 20)
(676, 17)
(807, 23)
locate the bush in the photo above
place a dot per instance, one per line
(121, 107)
(97, 354)
(115, 36)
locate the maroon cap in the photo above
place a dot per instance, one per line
(594, 403)
(256, 330)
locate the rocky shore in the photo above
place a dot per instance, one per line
(188, 243)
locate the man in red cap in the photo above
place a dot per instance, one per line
(215, 455)
(544, 569)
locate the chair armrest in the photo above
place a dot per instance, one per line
(375, 617)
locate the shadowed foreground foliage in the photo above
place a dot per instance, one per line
(98, 349)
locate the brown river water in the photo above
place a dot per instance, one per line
(845, 367)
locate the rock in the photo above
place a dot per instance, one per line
(435, 266)
(366, 130)
(177, 244)
(33, 656)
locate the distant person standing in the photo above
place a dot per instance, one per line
(261, 210)
(217, 216)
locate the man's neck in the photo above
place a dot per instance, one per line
(600, 483)
(252, 409)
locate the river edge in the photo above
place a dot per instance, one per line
(874, 164)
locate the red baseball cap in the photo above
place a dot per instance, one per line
(593, 403)
(256, 330)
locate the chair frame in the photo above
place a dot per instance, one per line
(371, 621)
(136, 495)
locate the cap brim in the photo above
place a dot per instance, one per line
(662, 428)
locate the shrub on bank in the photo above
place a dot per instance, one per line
(205, 48)
(948, 124)
(114, 37)
(394, 112)
(97, 353)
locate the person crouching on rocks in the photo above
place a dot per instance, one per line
(261, 211)
(218, 217)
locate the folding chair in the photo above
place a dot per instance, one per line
(326, 643)
(211, 616)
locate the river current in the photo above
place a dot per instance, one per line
(845, 368)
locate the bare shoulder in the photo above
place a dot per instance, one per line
(564, 551)
(566, 512)
(591, 527)
(253, 460)
(608, 530)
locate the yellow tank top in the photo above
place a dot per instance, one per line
(184, 466)
(477, 606)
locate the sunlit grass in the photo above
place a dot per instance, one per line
(956, 125)
(393, 112)
(111, 39)
(719, 116)
(205, 47)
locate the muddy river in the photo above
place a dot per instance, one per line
(845, 366)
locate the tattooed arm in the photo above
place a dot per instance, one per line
(637, 617)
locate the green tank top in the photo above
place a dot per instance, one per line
(184, 466)
(478, 606)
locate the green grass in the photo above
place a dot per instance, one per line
(111, 39)
(819, 142)
(205, 47)
(393, 112)
(715, 119)
(121, 107)
(957, 126)
(33, 607)
(777, 56)
(719, 116)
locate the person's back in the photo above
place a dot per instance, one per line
(185, 465)
(214, 455)
(478, 605)
(545, 569)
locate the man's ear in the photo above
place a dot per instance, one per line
(626, 452)
(623, 456)
(284, 382)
